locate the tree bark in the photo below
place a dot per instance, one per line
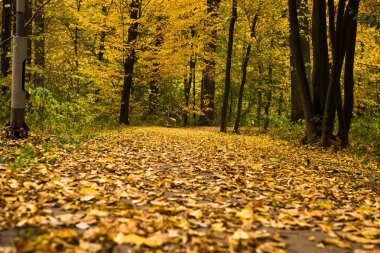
(102, 37)
(320, 75)
(187, 87)
(6, 32)
(305, 34)
(301, 72)
(351, 19)
(266, 110)
(223, 124)
(244, 76)
(129, 62)
(208, 84)
(333, 97)
(153, 83)
(39, 44)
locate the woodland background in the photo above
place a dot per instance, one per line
(78, 51)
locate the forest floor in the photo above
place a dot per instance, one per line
(184, 190)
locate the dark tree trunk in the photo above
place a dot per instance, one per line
(231, 107)
(223, 124)
(296, 103)
(76, 37)
(266, 110)
(320, 76)
(194, 92)
(6, 33)
(39, 44)
(331, 22)
(333, 97)
(129, 62)
(192, 71)
(187, 87)
(29, 29)
(208, 84)
(280, 103)
(244, 76)
(103, 35)
(153, 95)
(351, 29)
(259, 108)
(301, 72)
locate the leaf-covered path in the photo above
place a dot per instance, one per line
(186, 190)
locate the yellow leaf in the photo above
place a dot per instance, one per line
(65, 234)
(337, 242)
(133, 239)
(218, 227)
(240, 235)
(197, 214)
(246, 213)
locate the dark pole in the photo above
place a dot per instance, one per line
(17, 127)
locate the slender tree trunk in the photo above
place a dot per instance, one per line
(231, 107)
(223, 124)
(259, 107)
(244, 76)
(267, 110)
(351, 20)
(301, 72)
(187, 87)
(208, 86)
(129, 62)
(29, 30)
(103, 35)
(6, 33)
(320, 75)
(333, 97)
(153, 95)
(39, 44)
(194, 93)
(192, 73)
(305, 34)
(280, 103)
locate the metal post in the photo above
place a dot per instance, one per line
(17, 127)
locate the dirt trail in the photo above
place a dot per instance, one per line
(186, 190)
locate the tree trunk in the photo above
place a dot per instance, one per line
(266, 110)
(153, 95)
(29, 29)
(296, 103)
(17, 127)
(333, 97)
(192, 71)
(231, 107)
(280, 103)
(223, 124)
(76, 37)
(6, 33)
(351, 18)
(187, 87)
(320, 75)
(259, 107)
(102, 37)
(208, 84)
(39, 44)
(129, 62)
(244, 76)
(301, 72)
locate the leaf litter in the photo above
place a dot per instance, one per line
(183, 190)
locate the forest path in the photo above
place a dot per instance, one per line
(186, 190)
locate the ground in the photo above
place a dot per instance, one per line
(184, 190)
